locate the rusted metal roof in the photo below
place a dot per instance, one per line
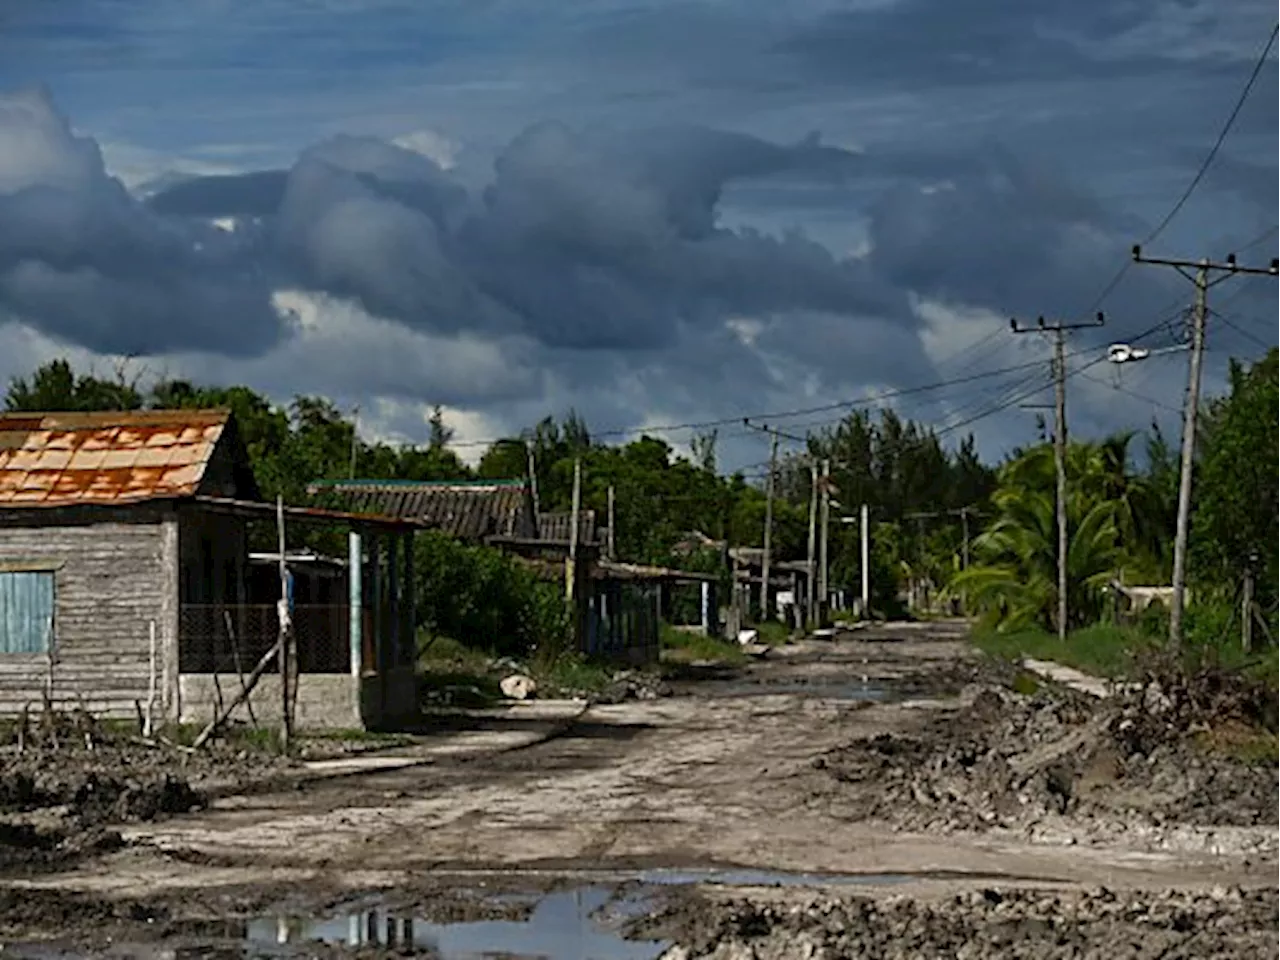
(470, 510)
(63, 459)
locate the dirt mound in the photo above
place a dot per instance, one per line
(1015, 761)
(1099, 924)
(65, 779)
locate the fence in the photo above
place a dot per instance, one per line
(230, 638)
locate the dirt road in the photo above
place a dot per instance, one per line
(741, 772)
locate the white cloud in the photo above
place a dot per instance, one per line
(432, 145)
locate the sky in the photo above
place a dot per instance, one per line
(649, 212)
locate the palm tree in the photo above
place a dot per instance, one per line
(1014, 582)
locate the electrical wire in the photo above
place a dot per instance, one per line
(1222, 136)
(1132, 393)
(1242, 331)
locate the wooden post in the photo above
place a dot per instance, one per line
(571, 566)
(148, 722)
(282, 644)
(1246, 612)
(824, 532)
(410, 653)
(613, 540)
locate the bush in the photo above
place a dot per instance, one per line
(485, 599)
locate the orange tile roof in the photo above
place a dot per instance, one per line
(62, 459)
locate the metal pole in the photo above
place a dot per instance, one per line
(866, 562)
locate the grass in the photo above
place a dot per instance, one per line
(681, 646)
(1102, 649)
(571, 673)
(773, 632)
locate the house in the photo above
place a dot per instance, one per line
(126, 582)
(470, 510)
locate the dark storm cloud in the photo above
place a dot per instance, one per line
(1014, 238)
(942, 43)
(87, 262)
(593, 239)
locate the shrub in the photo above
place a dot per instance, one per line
(484, 598)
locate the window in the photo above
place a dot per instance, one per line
(26, 611)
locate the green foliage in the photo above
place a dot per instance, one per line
(683, 646)
(1236, 505)
(1116, 525)
(55, 386)
(1100, 650)
(484, 598)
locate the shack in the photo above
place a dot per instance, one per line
(126, 581)
(468, 510)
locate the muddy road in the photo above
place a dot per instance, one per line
(887, 770)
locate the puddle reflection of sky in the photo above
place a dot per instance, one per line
(560, 928)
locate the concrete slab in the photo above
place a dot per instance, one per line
(1073, 678)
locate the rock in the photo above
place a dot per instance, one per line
(518, 686)
(748, 637)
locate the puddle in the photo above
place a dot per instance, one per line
(765, 878)
(562, 926)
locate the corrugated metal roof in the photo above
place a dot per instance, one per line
(556, 526)
(471, 510)
(62, 459)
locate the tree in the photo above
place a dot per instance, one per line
(56, 387)
(1015, 583)
(441, 434)
(1235, 522)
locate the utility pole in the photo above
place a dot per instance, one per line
(810, 579)
(1059, 331)
(533, 488)
(1203, 280)
(823, 587)
(768, 527)
(865, 512)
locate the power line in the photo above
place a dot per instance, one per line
(1242, 331)
(1133, 393)
(1120, 274)
(1222, 136)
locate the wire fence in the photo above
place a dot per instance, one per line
(232, 638)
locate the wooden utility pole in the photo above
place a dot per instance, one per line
(811, 578)
(1059, 331)
(1201, 278)
(824, 592)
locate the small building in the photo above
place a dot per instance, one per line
(127, 584)
(469, 510)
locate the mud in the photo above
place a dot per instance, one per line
(948, 785)
(1103, 924)
(1057, 762)
(66, 782)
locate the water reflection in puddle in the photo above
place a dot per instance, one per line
(562, 926)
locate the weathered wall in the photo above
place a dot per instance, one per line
(109, 585)
(325, 701)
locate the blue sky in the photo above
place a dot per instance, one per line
(652, 212)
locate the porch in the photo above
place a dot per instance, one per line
(352, 619)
